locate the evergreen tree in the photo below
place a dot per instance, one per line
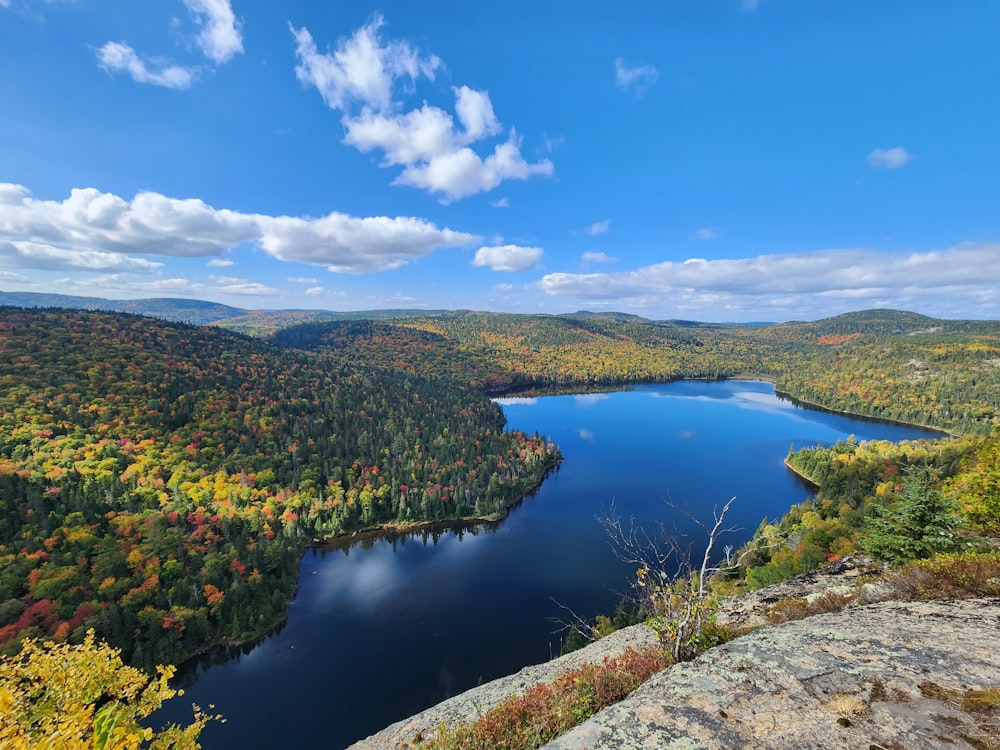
(920, 524)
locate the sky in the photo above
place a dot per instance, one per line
(715, 160)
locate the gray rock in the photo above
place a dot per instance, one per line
(882, 677)
(888, 675)
(468, 706)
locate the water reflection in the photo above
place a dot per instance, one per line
(384, 625)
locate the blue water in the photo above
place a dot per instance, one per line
(382, 630)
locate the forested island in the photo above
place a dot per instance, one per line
(159, 480)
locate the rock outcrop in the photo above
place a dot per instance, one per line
(885, 676)
(469, 705)
(891, 675)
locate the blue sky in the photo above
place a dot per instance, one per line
(720, 160)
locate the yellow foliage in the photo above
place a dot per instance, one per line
(77, 697)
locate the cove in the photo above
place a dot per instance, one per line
(381, 628)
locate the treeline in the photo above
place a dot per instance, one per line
(158, 482)
(950, 488)
(883, 364)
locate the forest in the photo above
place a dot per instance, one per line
(160, 480)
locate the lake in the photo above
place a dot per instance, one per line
(381, 629)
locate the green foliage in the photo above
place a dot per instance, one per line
(158, 482)
(921, 523)
(976, 490)
(854, 480)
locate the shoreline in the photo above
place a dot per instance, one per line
(389, 531)
(800, 475)
(395, 529)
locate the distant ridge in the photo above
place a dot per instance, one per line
(196, 311)
(199, 312)
(263, 322)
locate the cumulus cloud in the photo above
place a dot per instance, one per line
(220, 262)
(361, 77)
(303, 280)
(794, 281)
(637, 80)
(598, 227)
(892, 158)
(101, 230)
(597, 258)
(117, 57)
(362, 69)
(706, 234)
(314, 290)
(508, 257)
(219, 39)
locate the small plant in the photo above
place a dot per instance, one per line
(846, 705)
(957, 576)
(982, 705)
(796, 608)
(547, 710)
(679, 605)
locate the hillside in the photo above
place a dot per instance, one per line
(158, 482)
(884, 364)
(137, 455)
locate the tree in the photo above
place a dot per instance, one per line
(77, 697)
(671, 588)
(920, 524)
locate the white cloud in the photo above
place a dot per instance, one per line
(47, 257)
(463, 172)
(314, 290)
(892, 158)
(508, 257)
(706, 234)
(125, 285)
(101, 230)
(220, 262)
(796, 282)
(359, 78)
(503, 287)
(346, 244)
(220, 37)
(116, 57)
(475, 112)
(302, 280)
(361, 69)
(597, 258)
(242, 287)
(635, 80)
(501, 203)
(599, 227)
